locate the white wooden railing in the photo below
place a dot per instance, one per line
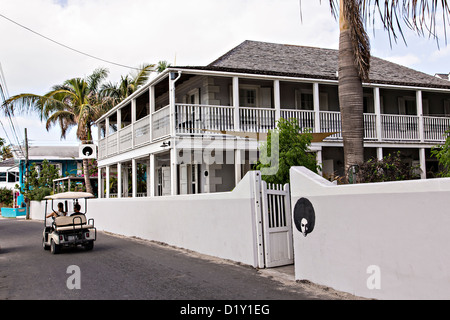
(142, 131)
(161, 122)
(434, 128)
(193, 119)
(305, 118)
(330, 121)
(400, 127)
(256, 119)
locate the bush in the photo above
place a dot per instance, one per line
(6, 197)
(390, 168)
(293, 150)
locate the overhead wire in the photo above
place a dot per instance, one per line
(66, 46)
(5, 95)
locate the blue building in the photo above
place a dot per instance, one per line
(65, 158)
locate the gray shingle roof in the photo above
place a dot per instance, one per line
(311, 62)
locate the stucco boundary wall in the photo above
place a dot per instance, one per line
(381, 240)
(216, 224)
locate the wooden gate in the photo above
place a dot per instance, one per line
(277, 225)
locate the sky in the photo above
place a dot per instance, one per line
(184, 33)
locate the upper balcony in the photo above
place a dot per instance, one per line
(254, 105)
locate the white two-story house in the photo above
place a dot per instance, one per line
(170, 137)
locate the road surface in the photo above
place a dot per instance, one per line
(120, 268)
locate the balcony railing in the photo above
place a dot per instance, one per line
(195, 119)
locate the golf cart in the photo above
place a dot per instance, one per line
(71, 229)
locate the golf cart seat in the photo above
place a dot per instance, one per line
(71, 222)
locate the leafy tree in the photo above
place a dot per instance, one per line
(354, 53)
(6, 197)
(5, 151)
(442, 153)
(293, 150)
(40, 181)
(128, 84)
(75, 103)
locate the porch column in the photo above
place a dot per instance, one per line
(133, 120)
(152, 175)
(173, 77)
(276, 98)
(236, 103)
(173, 172)
(316, 103)
(380, 153)
(237, 166)
(377, 107)
(420, 114)
(423, 166)
(119, 180)
(107, 181)
(319, 160)
(133, 178)
(100, 183)
(151, 109)
(106, 136)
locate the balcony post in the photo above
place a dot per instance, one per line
(173, 78)
(377, 107)
(100, 183)
(420, 114)
(236, 103)
(133, 178)
(107, 181)
(152, 176)
(423, 165)
(119, 127)
(106, 135)
(119, 180)
(276, 98)
(173, 171)
(151, 109)
(316, 103)
(133, 120)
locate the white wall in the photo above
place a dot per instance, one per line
(216, 224)
(402, 228)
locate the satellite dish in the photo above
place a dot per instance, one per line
(88, 151)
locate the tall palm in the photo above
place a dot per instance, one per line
(354, 53)
(127, 84)
(75, 103)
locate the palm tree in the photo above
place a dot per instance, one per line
(127, 84)
(354, 53)
(75, 103)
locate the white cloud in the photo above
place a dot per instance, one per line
(408, 60)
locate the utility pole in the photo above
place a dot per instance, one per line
(27, 201)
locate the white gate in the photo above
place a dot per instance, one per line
(277, 225)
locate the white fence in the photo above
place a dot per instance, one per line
(380, 240)
(225, 225)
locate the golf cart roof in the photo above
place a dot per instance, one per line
(70, 195)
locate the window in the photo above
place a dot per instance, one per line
(247, 97)
(304, 99)
(2, 176)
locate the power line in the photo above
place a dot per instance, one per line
(65, 46)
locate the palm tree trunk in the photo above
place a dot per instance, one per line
(87, 180)
(350, 97)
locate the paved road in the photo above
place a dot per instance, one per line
(120, 268)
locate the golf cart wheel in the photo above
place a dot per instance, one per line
(54, 248)
(89, 245)
(44, 245)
